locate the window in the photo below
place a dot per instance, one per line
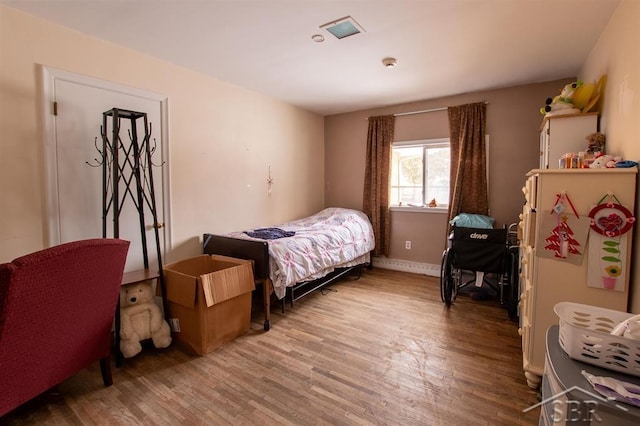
(420, 173)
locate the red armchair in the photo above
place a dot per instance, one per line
(56, 311)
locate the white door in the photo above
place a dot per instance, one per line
(74, 170)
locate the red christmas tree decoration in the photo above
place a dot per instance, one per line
(561, 240)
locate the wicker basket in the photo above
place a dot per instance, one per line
(585, 336)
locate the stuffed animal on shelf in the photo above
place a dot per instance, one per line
(596, 143)
(140, 319)
(584, 94)
(562, 103)
(605, 161)
(575, 98)
(587, 95)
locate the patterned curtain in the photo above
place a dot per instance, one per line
(468, 184)
(376, 180)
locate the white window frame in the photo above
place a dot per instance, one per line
(441, 208)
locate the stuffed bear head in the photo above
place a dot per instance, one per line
(595, 143)
(136, 294)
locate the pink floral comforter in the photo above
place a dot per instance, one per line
(334, 237)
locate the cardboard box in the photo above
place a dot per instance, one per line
(209, 300)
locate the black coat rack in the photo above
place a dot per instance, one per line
(127, 175)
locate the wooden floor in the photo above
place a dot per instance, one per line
(381, 350)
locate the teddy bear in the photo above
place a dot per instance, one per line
(595, 143)
(140, 319)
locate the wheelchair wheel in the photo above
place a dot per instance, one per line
(446, 279)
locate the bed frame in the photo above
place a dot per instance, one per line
(258, 252)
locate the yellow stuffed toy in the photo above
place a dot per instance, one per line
(562, 103)
(574, 98)
(140, 319)
(587, 95)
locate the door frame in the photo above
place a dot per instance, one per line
(51, 207)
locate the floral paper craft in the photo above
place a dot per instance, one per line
(611, 219)
(609, 223)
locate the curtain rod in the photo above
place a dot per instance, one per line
(423, 111)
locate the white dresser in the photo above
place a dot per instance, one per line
(546, 281)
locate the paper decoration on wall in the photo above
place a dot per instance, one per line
(561, 240)
(609, 221)
(566, 232)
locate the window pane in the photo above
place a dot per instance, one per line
(407, 175)
(437, 174)
(420, 173)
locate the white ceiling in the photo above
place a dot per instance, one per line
(443, 47)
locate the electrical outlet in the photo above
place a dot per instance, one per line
(407, 245)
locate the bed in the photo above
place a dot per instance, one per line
(295, 258)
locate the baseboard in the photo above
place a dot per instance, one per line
(407, 266)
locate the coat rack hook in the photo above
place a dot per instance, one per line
(98, 162)
(152, 151)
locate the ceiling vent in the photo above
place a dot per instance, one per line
(343, 27)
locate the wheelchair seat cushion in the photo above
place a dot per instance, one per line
(470, 220)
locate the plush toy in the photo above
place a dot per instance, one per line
(575, 98)
(605, 161)
(587, 95)
(584, 94)
(614, 161)
(562, 103)
(140, 319)
(596, 143)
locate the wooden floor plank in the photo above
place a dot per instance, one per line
(381, 350)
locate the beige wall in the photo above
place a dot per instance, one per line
(222, 139)
(513, 122)
(616, 54)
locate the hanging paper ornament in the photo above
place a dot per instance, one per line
(562, 241)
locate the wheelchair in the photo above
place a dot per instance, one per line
(482, 253)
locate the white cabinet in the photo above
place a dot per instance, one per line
(545, 281)
(564, 133)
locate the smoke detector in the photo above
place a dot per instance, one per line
(389, 62)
